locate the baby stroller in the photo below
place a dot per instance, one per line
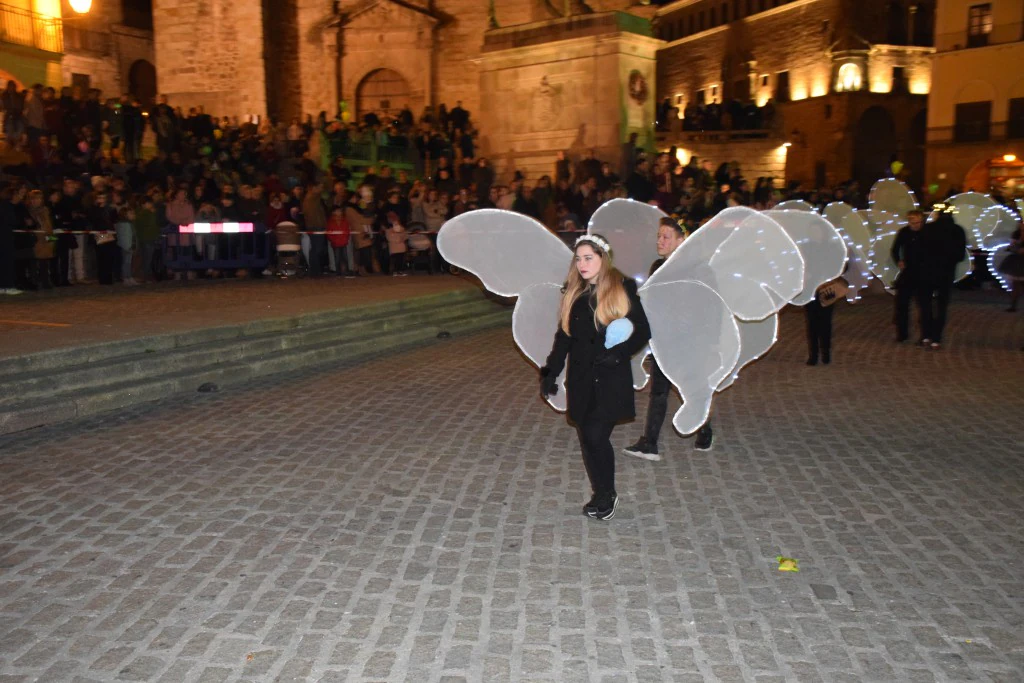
(289, 244)
(421, 248)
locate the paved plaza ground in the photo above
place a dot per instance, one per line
(92, 313)
(417, 518)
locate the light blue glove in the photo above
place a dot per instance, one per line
(618, 331)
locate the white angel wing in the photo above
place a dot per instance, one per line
(534, 324)
(514, 255)
(891, 198)
(882, 265)
(631, 227)
(1006, 223)
(858, 271)
(756, 337)
(835, 212)
(744, 256)
(691, 313)
(794, 205)
(970, 214)
(854, 228)
(821, 247)
(506, 250)
(714, 301)
(995, 262)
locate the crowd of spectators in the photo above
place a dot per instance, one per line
(733, 115)
(91, 201)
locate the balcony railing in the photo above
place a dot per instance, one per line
(994, 131)
(962, 40)
(83, 40)
(21, 27)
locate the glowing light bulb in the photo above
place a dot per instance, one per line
(81, 6)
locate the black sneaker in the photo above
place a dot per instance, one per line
(705, 438)
(643, 449)
(602, 506)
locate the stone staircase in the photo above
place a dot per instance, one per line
(63, 384)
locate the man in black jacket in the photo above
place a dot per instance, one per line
(908, 254)
(944, 244)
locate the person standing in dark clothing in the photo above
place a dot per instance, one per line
(670, 238)
(944, 245)
(639, 185)
(11, 219)
(908, 254)
(599, 380)
(68, 218)
(101, 223)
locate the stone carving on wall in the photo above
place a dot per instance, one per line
(547, 106)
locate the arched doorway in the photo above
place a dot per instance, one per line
(874, 144)
(384, 92)
(142, 81)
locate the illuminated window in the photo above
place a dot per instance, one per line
(979, 25)
(848, 78)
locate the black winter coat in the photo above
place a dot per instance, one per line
(598, 391)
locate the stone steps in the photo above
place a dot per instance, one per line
(63, 384)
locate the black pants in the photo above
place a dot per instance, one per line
(60, 264)
(7, 263)
(108, 261)
(42, 273)
(397, 262)
(934, 302)
(598, 454)
(317, 254)
(819, 330)
(364, 259)
(908, 291)
(658, 406)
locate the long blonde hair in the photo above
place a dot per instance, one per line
(612, 300)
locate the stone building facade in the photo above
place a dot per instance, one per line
(848, 82)
(976, 106)
(848, 78)
(110, 47)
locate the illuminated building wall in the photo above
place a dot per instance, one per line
(976, 102)
(825, 64)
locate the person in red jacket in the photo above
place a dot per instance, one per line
(338, 234)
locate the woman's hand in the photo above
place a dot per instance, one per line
(548, 383)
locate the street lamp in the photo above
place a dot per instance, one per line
(80, 6)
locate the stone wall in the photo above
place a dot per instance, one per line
(209, 53)
(280, 47)
(565, 95)
(104, 72)
(788, 38)
(318, 55)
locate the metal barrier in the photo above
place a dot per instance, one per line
(216, 246)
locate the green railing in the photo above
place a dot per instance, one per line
(361, 155)
(22, 27)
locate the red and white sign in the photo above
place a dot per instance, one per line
(210, 228)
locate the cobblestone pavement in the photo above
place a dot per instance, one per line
(418, 519)
(85, 314)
